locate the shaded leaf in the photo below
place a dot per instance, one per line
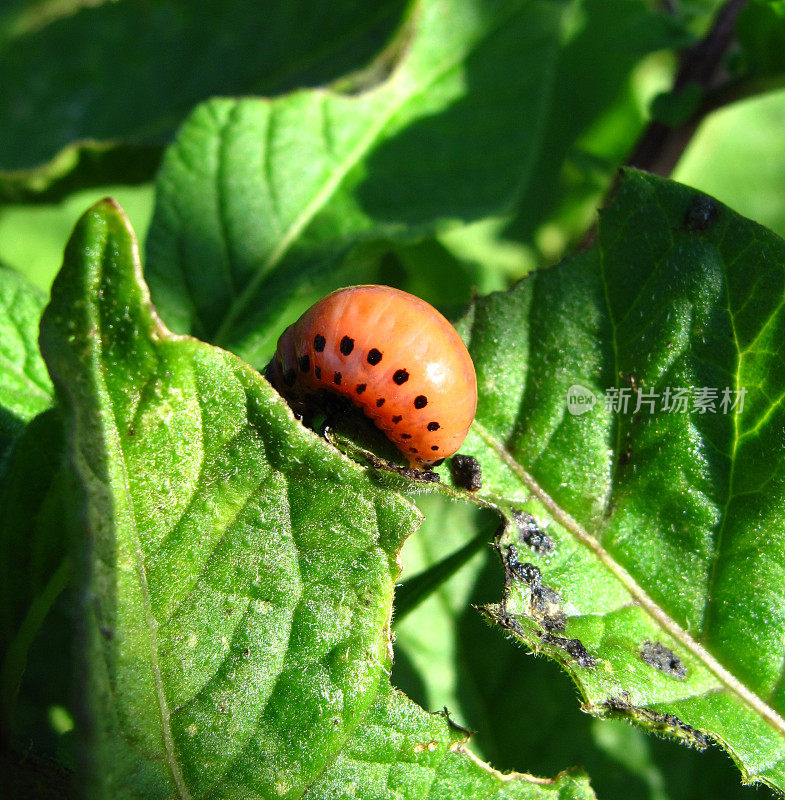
(237, 572)
(258, 199)
(128, 72)
(605, 40)
(34, 570)
(666, 524)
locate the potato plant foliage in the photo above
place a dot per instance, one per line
(198, 592)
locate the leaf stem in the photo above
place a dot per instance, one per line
(660, 146)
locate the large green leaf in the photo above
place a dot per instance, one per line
(86, 79)
(237, 572)
(664, 595)
(258, 198)
(25, 389)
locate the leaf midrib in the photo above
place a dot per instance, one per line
(141, 570)
(648, 604)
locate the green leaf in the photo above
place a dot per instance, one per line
(258, 199)
(403, 752)
(237, 572)
(25, 389)
(522, 708)
(666, 525)
(128, 72)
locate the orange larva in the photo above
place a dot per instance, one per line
(394, 356)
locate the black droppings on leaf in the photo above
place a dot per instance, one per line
(530, 533)
(663, 659)
(664, 724)
(573, 647)
(700, 214)
(466, 471)
(545, 605)
(546, 608)
(526, 572)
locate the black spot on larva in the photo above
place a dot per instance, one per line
(319, 342)
(380, 402)
(289, 377)
(420, 401)
(412, 449)
(318, 372)
(433, 426)
(434, 447)
(347, 345)
(305, 363)
(530, 534)
(466, 472)
(400, 376)
(406, 436)
(337, 378)
(360, 388)
(374, 356)
(663, 658)
(396, 419)
(701, 213)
